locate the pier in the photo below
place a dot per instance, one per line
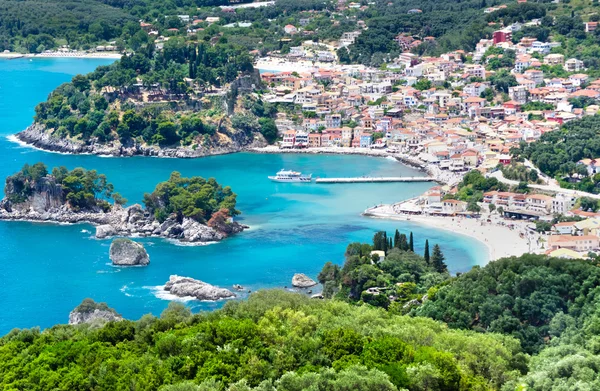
(375, 179)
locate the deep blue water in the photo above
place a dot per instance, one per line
(46, 270)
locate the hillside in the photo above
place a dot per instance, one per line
(176, 102)
(274, 341)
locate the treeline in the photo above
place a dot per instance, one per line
(274, 341)
(387, 273)
(83, 190)
(528, 297)
(194, 197)
(556, 153)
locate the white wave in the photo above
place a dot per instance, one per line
(124, 289)
(85, 231)
(160, 293)
(108, 271)
(391, 158)
(189, 244)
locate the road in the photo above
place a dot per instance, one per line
(552, 187)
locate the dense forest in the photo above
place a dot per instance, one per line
(82, 189)
(273, 341)
(194, 197)
(556, 153)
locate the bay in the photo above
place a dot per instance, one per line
(46, 269)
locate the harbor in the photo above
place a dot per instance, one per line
(375, 179)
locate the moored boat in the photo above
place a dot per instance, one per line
(291, 176)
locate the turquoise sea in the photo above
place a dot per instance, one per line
(46, 270)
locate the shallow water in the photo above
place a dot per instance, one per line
(46, 270)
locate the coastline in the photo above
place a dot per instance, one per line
(35, 136)
(492, 234)
(11, 56)
(440, 176)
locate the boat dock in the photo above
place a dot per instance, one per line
(375, 179)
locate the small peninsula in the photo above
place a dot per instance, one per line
(165, 104)
(184, 209)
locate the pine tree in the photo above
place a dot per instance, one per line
(426, 254)
(411, 244)
(397, 239)
(437, 260)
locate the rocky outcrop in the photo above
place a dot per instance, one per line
(126, 252)
(91, 312)
(302, 281)
(133, 221)
(38, 136)
(189, 287)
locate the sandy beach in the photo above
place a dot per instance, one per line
(500, 240)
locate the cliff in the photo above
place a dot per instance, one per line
(91, 312)
(41, 137)
(46, 202)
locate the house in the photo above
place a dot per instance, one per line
(591, 165)
(451, 207)
(365, 140)
(562, 203)
(301, 140)
(564, 228)
(584, 243)
(289, 138)
(290, 29)
(573, 65)
(504, 35)
(554, 59)
(590, 26)
(314, 140)
(539, 203)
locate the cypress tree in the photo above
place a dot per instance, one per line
(437, 260)
(403, 243)
(390, 245)
(397, 239)
(426, 254)
(411, 244)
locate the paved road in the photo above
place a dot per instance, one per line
(553, 187)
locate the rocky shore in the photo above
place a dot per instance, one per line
(38, 136)
(189, 287)
(132, 221)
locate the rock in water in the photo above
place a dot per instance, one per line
(185, 286)
(90, 312)
(125, 252)
(301, 280)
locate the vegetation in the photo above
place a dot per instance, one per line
(95, 107)
(473, 185)
(88, 305)
(273, 341)
(82, 189)
(523, 297)
(194, 197)
(390, 281)
(556, 153)
(519, 172)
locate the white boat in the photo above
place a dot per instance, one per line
(291, 176)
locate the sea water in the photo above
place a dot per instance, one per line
(47, 269)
